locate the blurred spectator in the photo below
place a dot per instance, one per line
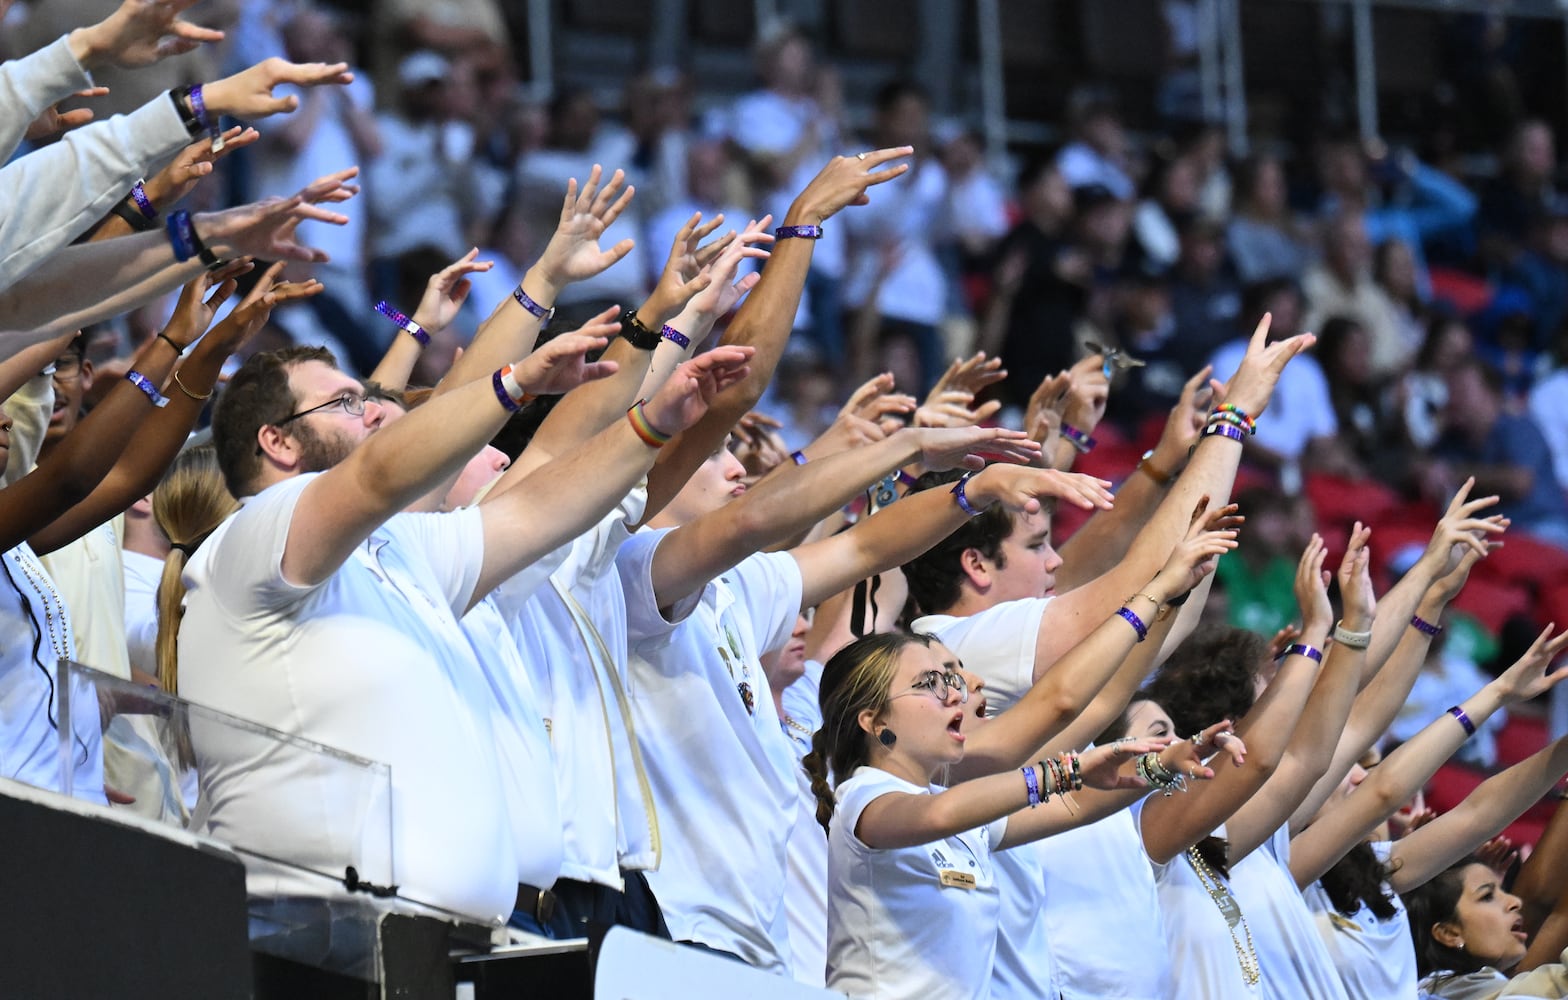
(1170, 202)
(1099, 153)
(1341, 285)
(704, 189)
(658, 116)
(975, 215)
(1525, 190)
(894, 272)
(1300, 426)
(1548, 404)
(1505, 452)
(334, 126)
(1423, 391)
(1394, 270)
(785, 131)
(1042, 283)
(1259, 578)
(1205, 296)
(1448, 679)
(1263, 237)
(471, 31)
(1180, 96)
(1540, 273)
(1146, 325)
(577, 140)
(1367, 429)
(426, 188)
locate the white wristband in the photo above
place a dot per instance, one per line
(1352, 640)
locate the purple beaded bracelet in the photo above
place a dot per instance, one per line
(1079, 440)
(1136, 622)
(1425, 627)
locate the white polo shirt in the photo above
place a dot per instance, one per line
(721, 768)
(1295, 961)
(897, 925)
(1203, 955)
(371, 661)
(1376, 958)
(571, 634)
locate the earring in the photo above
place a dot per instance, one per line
(886, 737)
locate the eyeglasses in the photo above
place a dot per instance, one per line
(938, 684)
(68, 365)
(352, 402)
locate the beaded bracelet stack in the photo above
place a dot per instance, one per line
(1151, 769)
(1053, 776)
(1230, 421)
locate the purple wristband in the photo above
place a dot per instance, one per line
(962, 497)
(404, 323)
(1135, 622)
(1032, 783)
(532, 306)
(1225, 430)
(799, 457)
(149, 390)
(1425, 627)
(199, 106)
(143, 203)
(182, 235)
(675, 337)
(1079, 440)
(798, 232)
(1302, 649)
(1464, 720)
(512, 405)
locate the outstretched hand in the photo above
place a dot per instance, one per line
(140, 33)
(1210, 534)
(265, 229)
(253, 311)
(168, 186)
(248, 93)
(1311, 588)
(843, 182)
(1528, 677)
(685, 398)
(1355, 581)
(573, 253)
(447, 290)
(1110, 766)
(1460, 529)
(1251, 388)
(944, 448)
(1022, 489)
(561, 364)
(51, 121)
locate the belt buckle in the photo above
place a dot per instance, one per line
(544, 906)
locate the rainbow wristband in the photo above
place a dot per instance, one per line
(643, 427)
(1240, 414)
(404, 323)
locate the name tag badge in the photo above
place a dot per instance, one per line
(954, 879)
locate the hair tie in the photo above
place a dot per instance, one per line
(188, 548)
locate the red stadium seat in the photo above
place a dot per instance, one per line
(1493, 602)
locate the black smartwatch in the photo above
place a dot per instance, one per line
(637, 333)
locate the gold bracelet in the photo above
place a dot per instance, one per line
(1162, 611)
(181, 386)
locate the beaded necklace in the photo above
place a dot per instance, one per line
(51, 601)
(804, 737)
(1248, 956)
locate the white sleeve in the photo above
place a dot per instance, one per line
(32, 83)
(245, 566)
(53, 195)
(769, 585)
(998, 643)
(853, 796)
(453, 546)
(29, 408)
(645, 621)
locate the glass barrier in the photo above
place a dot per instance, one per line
(317, 883)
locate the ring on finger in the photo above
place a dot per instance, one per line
(860, 156)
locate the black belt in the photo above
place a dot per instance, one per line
(538, 903)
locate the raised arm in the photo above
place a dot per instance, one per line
(1312, 745)
(164, 432)
(1543, 876)
(395, 466)
(765, 320)
(1171, 825)
(893, 536)
(798, 496)
(1483, 814)
(566, 497)
(1100, 544)
(1211, 472)
(1406, 771)
(445, 293)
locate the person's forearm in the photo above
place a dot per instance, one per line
(75, 467)
(73, 183)
(764, 323)
(1386, 788)
(32, 83)
(509, 333)
(1117, 692)
(1410, 596)
(559, 502)
(1483, 814)
(911, 820)
(1090, 806)
(887, 539)
(789, 503)
(161, 436)
(1099, 545)
(1545, 875)
(54, 298)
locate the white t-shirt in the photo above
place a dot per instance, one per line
(721, 768)
(997, 643)
(1080, 880)
(1203, 955)
(806, 868)
(371, 661)
(1098, 876)
(607, 823)
(29, 702)
(1295, 962)
(522, 746)
(894, 928)
(1375, 957)
(143, 573)
(1300, 409)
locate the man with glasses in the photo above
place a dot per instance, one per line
(321, 610)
